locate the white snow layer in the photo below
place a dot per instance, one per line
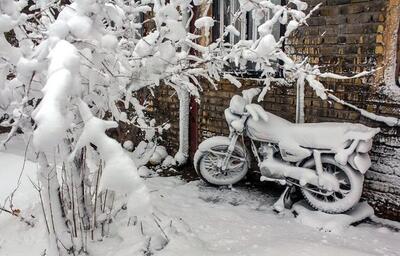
(119, 173)
(343, 139)
(336, 223)
(51, 115)
(201, 220)
(205, 22)
(198, 220)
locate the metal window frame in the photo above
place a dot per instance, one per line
(233, 7)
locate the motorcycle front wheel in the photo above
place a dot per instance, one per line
(350, 187)
(210, 156)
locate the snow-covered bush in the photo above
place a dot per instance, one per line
(67, 67)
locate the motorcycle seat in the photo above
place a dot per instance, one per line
(333, 136)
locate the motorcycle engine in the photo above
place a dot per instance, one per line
(267, 150)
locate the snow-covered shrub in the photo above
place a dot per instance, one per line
(67, 67)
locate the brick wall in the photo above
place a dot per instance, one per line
(279, 100)
(166, 109)
(347, 36)
(343, 36)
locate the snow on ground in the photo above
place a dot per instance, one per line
(207, 221)
(335, 223)
(242, 222)
(11, 166)
(16, 238)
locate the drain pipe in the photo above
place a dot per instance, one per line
(182, 155)
(183, 152)
(300, 100)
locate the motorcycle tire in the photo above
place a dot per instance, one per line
(210, 152)
(350, 185)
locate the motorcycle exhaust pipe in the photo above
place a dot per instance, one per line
(275, 169)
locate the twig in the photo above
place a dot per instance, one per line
(21, 173)
(162, 230)
(96, 198)
(15, 213)
(39, 190)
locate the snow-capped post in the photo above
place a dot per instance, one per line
(300, 101)
(391, 43)
(184, 104)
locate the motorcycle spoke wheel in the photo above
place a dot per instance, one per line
(211, 166)
(327, 196)
(348, 194)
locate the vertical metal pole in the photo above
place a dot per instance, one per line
(397, 75)
(300, 101)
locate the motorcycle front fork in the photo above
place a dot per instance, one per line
(234, 137)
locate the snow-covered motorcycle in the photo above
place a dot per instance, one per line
(326, 161)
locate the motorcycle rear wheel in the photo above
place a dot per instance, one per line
(211, 154)
(350, 182)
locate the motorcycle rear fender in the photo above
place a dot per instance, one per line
(360, 161)
(364, 146)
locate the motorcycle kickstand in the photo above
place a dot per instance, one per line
(285, 201)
